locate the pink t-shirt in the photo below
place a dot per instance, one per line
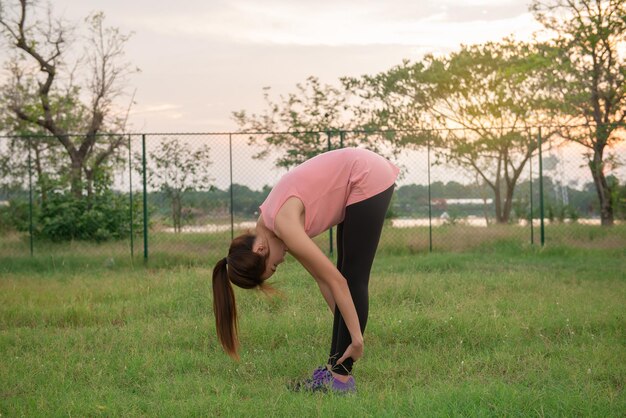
(329, 182)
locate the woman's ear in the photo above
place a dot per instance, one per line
(259, 247)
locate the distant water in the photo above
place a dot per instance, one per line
(395, 223)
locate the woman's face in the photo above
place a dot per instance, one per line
(274, 251)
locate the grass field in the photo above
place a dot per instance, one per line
(167, 249)
(501, 329)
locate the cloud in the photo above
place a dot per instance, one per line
(483, 3)
(345, 23)
(200, 59)
(165, 110)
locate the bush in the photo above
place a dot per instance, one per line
(573, 214)
(64, 217)
(5, 219)
(15, 216)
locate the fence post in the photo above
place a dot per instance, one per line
(30, 197)
(430, 209)
(530, 165)
(330, 231)
(130, 194)
(541, 213)
(232, 213)
(145, 198)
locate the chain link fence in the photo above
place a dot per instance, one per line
(182, 197)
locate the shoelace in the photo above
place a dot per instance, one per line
(321, 377)
(320, 372)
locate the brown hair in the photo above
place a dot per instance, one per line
(244, 268)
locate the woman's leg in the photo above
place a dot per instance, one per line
(359, 236)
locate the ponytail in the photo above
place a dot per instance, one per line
(244, 268)
(225, 310)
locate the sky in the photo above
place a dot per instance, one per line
(201, 60)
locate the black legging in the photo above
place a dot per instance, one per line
(357, 240)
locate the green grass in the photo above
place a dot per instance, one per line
(501, 330)
(169, 250)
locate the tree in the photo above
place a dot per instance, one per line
(396, 103)
(49, 90)
(474, 105)
(178, 169)
(47, 159)
(586, 80)
(299, 125)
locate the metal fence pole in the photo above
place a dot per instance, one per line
(330, 231)
(130, 197)
(30, 197)
(530, 165)
(232, 213)
(541, 213)
(145, 198)
(430, 209)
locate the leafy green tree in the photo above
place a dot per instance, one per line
(490, 92)
(475, 106)
(299, 124)
(586, 80)
(49, 91)
(396, 103)
(176, 169)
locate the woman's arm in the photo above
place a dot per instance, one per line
(290, 230)
(326, 292)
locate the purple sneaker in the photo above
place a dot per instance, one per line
(322, 380)
(339, 387)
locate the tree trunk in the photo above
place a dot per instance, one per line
(76, 178)
(89, 181)
(602, 187)
(510, 189)
(508, 203)
(497, 198)
(176, 215)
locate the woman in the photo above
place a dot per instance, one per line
(350, 188)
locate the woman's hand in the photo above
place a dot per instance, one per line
(354, 350)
